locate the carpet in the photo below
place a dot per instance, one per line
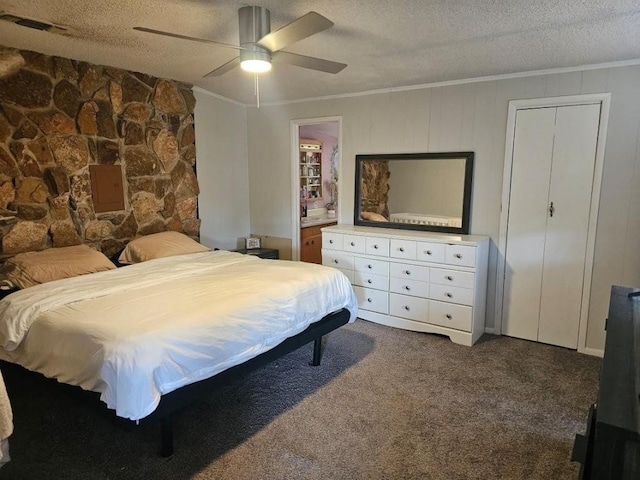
(385, 404)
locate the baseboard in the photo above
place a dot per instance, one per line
(594, 352)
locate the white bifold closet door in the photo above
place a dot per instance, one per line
(551, 186)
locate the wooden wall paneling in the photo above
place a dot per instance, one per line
(484, 199)
(382, 131)
(468, 117)
(361, 134)
(535, 86)
(612, 252)
(489, 129)
(594, 81)
(553, 86)
(483, 142)
(511, 89)
(417, 104)
(435, 109)
(570, 83)
(451, 118)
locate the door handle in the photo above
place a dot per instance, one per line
(551, 209)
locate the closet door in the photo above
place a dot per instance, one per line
(527, 224)
(574, 153)
(552, 179)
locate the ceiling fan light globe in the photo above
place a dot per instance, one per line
(255, 65)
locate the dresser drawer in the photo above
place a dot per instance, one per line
(332, 240)
(353, 243)
(449, 315)
(448, 293)
(405, 286)
(452, 277)
(413, 308)
(413, 272)
(377, 246)
(372, 300)
(430, 252)
(369, 280)
(402, 249)
(334, 258)
(377, 267)
(462, 255)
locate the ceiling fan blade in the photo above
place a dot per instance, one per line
(303, 27)
(184, 37)
(308, 62)
(222, 69)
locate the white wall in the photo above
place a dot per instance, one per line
(223, 172)
(473, 117)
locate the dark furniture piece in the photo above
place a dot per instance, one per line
(270, 253)
(610, 449)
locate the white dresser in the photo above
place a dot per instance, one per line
(422, 281)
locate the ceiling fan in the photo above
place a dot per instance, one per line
(259, 46)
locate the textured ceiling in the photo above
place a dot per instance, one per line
(392, 43)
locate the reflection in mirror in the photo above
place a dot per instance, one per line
(427, 191)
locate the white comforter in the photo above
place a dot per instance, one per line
(138, 332)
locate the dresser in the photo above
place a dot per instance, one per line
(421, 281)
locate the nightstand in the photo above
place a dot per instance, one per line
(270, 253)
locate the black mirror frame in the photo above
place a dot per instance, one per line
(466, 207)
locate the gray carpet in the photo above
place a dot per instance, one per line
(384, 404)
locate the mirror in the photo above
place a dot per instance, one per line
(415, 191)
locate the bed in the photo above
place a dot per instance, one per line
(147, 336)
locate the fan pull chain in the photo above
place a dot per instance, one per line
(257, 82)
(257, 90)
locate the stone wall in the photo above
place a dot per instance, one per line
(57, 117)
(375, 187)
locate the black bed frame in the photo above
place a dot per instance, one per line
(171, 402)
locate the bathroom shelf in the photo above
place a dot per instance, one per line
(310, 168)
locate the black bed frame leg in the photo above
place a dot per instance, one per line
(317, 351)
(166, 435)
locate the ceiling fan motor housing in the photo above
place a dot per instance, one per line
(254, 23)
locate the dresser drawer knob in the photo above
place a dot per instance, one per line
(448, 315)
(407, 288)
(330, 241)
(449, 277)
(449, 295)
(369, 266)
(407, 272)
(375, 246)
(353, 244)
(369, 281)
(401, 249)
(369, 300)
(458, 255)
(336, 260)
(406, 307)
(428, 252)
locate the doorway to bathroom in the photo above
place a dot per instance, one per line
(316, 154)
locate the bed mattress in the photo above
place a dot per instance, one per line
(136, 333)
